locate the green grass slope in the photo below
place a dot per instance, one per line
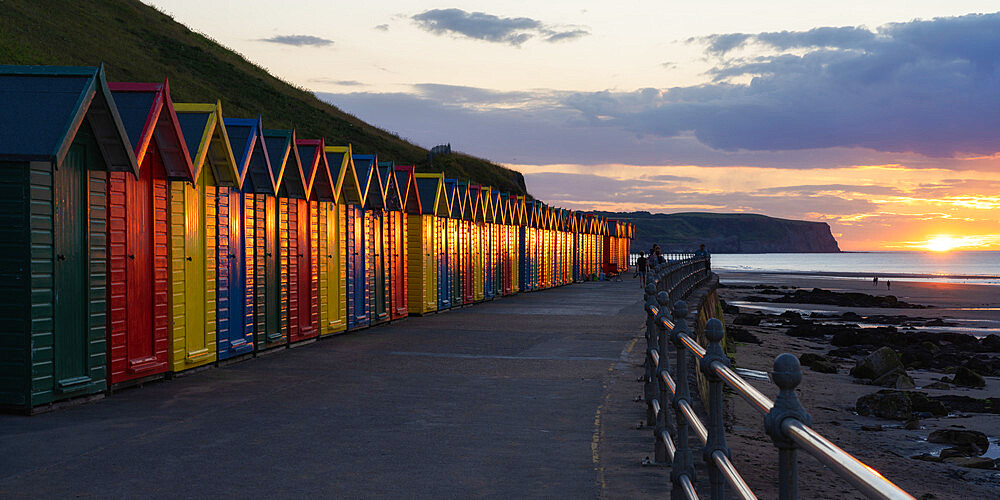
(138, 43)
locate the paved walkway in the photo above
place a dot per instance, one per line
(500, 400)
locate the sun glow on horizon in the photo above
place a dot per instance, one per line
(946, 243)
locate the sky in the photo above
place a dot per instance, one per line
(879, 118)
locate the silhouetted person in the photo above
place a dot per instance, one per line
(701, 251)
(875, 282)
(640, 267)
(888, 285)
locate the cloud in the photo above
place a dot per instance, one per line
(929, 87)
(299, 40)
(488, 27)
(342, 83)
(382, 27)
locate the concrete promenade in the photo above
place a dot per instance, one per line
(502, 399)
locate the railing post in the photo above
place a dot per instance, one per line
(683, 464)
(787, 375)
(648, 387)
(716, 428)
(662, 420)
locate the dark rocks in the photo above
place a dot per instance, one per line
(968, 378)
(898, 405)
(813, 330)
(741, 335)
(972, 462)
(989, 343)
(912, 425)
(971, 443)
(884, 368)
(968, 404)
(872, 428)
(817, 363)
(938, 385)
(844, 299)
(926, 457)
(728, 308)
(748, 319)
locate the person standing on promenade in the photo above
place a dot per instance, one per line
(640, 267)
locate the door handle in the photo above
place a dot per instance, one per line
(231, 256)
(60, 257)
(131, 256)
(188, 259)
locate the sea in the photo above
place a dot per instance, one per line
(974, 267)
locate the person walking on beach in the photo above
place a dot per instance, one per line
(888, 285)
(640, 267)
(875, 281)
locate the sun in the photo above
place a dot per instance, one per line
(943, 243)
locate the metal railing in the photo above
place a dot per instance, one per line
(786, 422)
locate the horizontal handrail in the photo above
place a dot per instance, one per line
(863, 477)
(786, 421)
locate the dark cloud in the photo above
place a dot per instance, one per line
(382, 27)
(488, 27)
(299, 40)
(930, 87)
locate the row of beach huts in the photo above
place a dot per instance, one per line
(142, 237)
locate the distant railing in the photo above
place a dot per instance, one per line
(785, 420)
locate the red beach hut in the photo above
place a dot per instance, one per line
(138, 286)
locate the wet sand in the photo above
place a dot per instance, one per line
(830, 398)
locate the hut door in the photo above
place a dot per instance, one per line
(304, 269)
(139, 266)
(428, 279)
(236, 260)
(69, 270)
(360, 283)
(272, 316)
(377, 262)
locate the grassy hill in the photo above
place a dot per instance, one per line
(138, 43)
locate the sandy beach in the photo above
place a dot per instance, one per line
(831, 397)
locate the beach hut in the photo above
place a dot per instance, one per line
(60, 136)
(505, 224)
(467, 268)
(360, 265)
(454, 271)
(286, 170)
(392, 214)
(476, 238)
(423, 256)
(193, 235)
(495, 249)
(517, 221)
(405, 184)
(235, 237)
(298, 221)
(486, 196)
(376, 237)
(434, 198)
(524, 261)
(138, 274)
(339, 243)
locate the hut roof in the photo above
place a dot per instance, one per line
(410, 194)
(345, 179)
(432, 196)
(246, 138)
(43, 107)
(207, 141)
(286, 168)
(147, 112)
